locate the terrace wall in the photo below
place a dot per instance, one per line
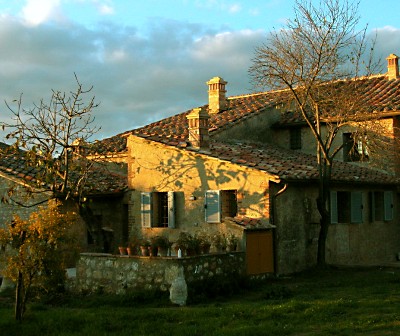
(119, 274)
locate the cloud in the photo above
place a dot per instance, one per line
(235, 8)
(137, 78)
(106, 9)
(38, 11)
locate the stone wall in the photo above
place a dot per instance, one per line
(9, 209)
(118, 274)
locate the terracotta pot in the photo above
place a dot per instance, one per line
(144, 251)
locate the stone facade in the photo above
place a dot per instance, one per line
(155, 167)
(297, 228)
(119, 274)
(9, 209)
(382, 155)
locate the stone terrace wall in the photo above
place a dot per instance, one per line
(117, 274)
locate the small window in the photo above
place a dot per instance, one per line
(346, 207)
(354, 148)
(295, 138)
(157, 209)
(381, 205)
(220, 204)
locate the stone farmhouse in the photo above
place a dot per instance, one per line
(245, 165)
(105, 193)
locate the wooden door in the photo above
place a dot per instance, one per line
(259, 252)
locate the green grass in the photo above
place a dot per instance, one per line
(331, 302)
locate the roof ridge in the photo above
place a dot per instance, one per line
(372, 76)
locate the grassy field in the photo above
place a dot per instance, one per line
(332, 302)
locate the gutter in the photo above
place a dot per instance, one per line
(273, 204)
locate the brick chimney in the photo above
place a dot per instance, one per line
(393, 66)
(198, 128)
(216, 95)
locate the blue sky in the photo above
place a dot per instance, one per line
(147, 59)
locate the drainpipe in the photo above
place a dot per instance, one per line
(272, 218)
(273, 203)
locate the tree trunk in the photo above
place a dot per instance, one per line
(324, 209)
(19, 290)
(19, 295)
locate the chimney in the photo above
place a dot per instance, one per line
(198, 128)
(216, 95)
(393, 66)
(79, 147)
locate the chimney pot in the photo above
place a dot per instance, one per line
(393, 66)
(216, 95)
(198, 128)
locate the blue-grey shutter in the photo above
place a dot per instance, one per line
(356, 207)
(146, 210)
(213, 206)
(334, 210)
(171, 209)
(388, 205)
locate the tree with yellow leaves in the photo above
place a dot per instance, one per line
(35, 252)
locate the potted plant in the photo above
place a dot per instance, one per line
(163, 244)
(232, 242)
(144, 247)
(153, 248)
(122, 250)
(205, 243)
(219, 242)
(133, 246)
(183, 242)
(193, 247)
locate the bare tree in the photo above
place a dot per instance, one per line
(48, 138)
(51, 135)
(310, 59)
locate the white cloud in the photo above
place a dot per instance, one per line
(235, 8)
(106, 9)
(36, 12)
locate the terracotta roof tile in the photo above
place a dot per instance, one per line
(292, 165)
(383, 95)
(99, 181)
(249, 223)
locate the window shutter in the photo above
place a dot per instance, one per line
(171, 209)
(388, 205)
(146, 210)
(213, 206)
(356, 207)
(334, 210)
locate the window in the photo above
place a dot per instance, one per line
(346, 207)
(354, 149)
(220, 204)
(295, 138)
(381, 205)
(158, 209)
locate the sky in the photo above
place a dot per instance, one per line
(146, 59)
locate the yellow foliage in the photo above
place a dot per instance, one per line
(37, 245)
